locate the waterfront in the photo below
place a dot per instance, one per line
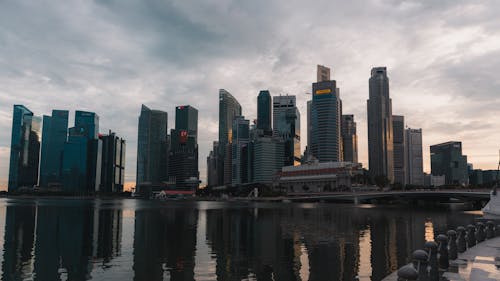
(126, 239)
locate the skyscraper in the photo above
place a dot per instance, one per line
(212, 165)
(322, 73)
(152, 148)
(267, 153)
(264, 111)
(241, 137)
(229, 108)
(398, 129)
(326, 115)
(183, 156)
(24, 149)
(380, 138)
(286, 121)
(414, 161)
(447, 160)
(113, 163)
(349, 139)
(81, 165)
(54, 136)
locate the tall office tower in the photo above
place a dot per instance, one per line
(212, 164)
(81, 165)
(322, 73)
(447, 160)
(112, 164)
(267, 158)
(54, 136)
(398, 137)
(264, 112)
(349, 139)
(241, 137)
(380, 139)
(414, 160)
(24, 149)
(325, 120)
(183, 159)
(229, 108)
(286, 120)
(152, 148)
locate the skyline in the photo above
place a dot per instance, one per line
(111, 58)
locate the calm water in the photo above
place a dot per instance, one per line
(49, 239)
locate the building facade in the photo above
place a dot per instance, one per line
(54, 136)
(240, 161)
(212, 165)
(264, 112)
(447, 160)
(152, 148)
(112, 163)
(24, 149)
(286, 122)
(267, 158)
(398, 137)
(380, 138)
(414, 157)
(349, 139)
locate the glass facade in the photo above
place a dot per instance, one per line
(25, 149)
(55, 135)
(112, 164)
(286, 121)
(264, 111)
(447, 160)
(349, 138)
(241, 134)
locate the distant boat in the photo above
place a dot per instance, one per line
(493, 206)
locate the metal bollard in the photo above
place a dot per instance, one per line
(431, 249)
(480, 234)
(443, 251)
(420, 261)
(452, 244)
(471, 236)
(407, 273)
(461, 242)
(490, 230)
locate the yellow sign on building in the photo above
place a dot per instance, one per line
(323, 91)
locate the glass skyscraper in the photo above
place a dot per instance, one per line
(447, 160)
(183, 159)
(241, 138)
(54, 136)
(286, 122)
(264, 111)
(113, 163)
(349, 138)
(24, 149)
(398, 129)
(380, 134)
(152, 148)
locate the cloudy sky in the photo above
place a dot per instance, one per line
(110, 56)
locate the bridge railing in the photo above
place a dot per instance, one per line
(434, 259)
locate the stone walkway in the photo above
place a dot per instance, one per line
(479, 263)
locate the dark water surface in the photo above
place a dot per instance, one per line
(56, 239)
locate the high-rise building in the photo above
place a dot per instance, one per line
(349, 139)
(212, 165)
(54, 136)
(309, 124)
(398, 138)
(24, 149)
(322, 73)
(447, 160)
(113, 163)
(241, 137)
(380, 138)
(267, 158)
(81, 165)
(414, 160)
(183, 159)
(325, 119)
(152, 148)
(229, 108)
(286, 122)
(264, 112)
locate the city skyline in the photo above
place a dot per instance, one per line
(114, 77)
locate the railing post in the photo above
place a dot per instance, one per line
(420, 261)
(452, 244)
(490, 230)
(431, 248)
(407, 273)
(471, 236)
(443, 251)
(480, 235)
(461, 242)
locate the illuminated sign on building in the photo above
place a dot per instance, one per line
(323, 91)
(183, 137)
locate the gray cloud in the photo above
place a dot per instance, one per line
(111, 56)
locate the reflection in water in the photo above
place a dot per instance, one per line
(140, 240)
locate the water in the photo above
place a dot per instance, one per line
(56, 239)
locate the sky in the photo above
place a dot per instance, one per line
(111, 56)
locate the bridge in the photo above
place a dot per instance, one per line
(439, 196)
